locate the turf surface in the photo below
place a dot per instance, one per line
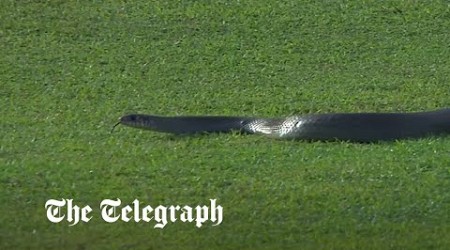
(69, 69)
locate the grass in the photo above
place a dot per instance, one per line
(69, 69)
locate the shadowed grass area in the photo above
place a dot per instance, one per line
(69, 69)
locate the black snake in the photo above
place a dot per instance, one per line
(354, 127)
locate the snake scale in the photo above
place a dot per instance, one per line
(353, 127)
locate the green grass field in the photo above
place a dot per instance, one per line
(70, 69)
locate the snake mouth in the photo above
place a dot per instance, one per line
(132, 120)
(129, 120)
(138, 121)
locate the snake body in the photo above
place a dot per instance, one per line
(354, 127)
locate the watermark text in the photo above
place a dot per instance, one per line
(113, 211)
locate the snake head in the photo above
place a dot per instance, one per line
(137, 121)
(129, 120)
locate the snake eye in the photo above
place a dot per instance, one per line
(129, 118)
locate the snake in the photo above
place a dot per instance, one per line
(353, 127)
